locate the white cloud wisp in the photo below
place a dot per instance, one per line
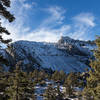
(81, 24)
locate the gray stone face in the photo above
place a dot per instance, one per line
(67, 55)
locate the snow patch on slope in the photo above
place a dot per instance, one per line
(48, 55)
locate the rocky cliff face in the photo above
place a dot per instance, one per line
(67, 54)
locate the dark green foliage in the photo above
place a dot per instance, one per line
(53, 93)
(56, 76)
(70, 82)
(39, 76)
(20, 85)
(92, 90)
(4, 4)
(62, 75)
(59, 76)
(35, 74)
(59, 93)
(3, 84)
(43, 75)
(50, 93)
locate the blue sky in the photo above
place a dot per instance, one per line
(48, 20)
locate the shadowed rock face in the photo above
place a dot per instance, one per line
(67, 54)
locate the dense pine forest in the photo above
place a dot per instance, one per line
(41, 84)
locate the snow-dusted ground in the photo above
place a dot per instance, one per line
(39, 90)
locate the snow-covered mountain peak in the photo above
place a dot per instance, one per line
(71, 43)
(67, 54)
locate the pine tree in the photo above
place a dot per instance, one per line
(62, 75)
(53, 93)
(92, 89)
(3, 84)
(43, 75)
(70, 83)
(69, 90)
(20, 85)
(59, 76)
(59, 93)
(50, 93)
(35, 76)
(4, 4)
(56, 76)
